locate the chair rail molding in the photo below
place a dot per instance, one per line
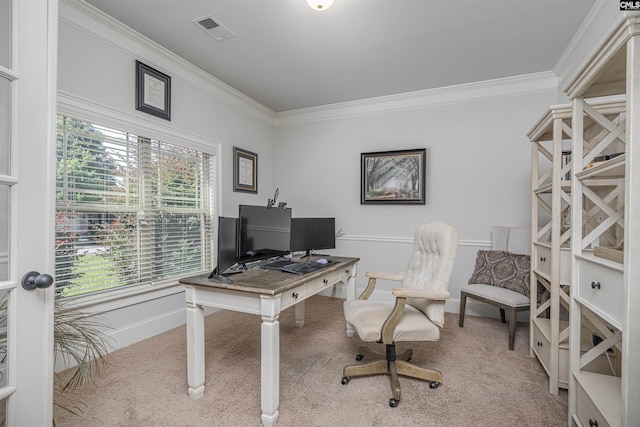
(407, 240)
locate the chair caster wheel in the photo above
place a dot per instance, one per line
(393, 402)
(359, 357)
(434, 384)
(345, 380)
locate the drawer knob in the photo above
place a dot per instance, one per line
(542, 259)
(295, 295)
(325, 281)
(539, 343)
(347, 271)
(595, 285)
(593, 423)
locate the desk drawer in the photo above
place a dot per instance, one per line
(602, 287)
(294, 296)
(320, 283)
(346, 272)
(543, 260)
(588, 414)
(541, 346)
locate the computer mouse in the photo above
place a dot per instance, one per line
(251, 253)
(322, 261)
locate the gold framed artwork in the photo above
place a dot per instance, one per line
(245, 171)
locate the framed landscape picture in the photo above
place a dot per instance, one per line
(393, 177)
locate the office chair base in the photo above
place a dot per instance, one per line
(392, 365)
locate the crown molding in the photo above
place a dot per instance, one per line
(601, 19)
(86, 18)
(483, 90)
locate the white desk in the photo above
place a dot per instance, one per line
(265, 293)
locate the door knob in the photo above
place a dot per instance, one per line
(33, 280)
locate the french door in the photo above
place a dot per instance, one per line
(28, 49)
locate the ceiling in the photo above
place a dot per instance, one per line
(287, 56)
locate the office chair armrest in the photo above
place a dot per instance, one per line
(373, 276)
(434, 294)
(396, 277)
(389, 325)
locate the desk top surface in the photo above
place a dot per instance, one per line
(268, 282)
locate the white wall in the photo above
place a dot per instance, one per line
(97, 67)
(478, 170)
(475, 135)
(97, 62)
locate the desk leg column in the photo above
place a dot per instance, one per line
(351, 294)
(270, 360)
(299, 314)
(195, 350)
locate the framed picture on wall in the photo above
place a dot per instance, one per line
(393, 177)
(245, 171)
(153, 91)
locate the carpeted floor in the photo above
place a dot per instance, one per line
(485, 384)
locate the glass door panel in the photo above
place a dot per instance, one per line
(5, 33)
(4, 233)
(5, 124)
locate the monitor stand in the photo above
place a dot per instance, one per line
(222, 277)
(310, 254)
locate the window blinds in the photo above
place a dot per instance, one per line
(130, 210)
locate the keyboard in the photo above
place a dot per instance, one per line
(304, 267)
(277, 264)
(288, 266)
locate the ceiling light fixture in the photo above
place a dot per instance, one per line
(320, 5)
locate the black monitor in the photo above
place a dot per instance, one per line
(227, 246)
(227, 243)
(309, 234)
(264, 232)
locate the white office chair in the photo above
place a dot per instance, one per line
(416, 315)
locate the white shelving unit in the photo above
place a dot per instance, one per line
(551, 167)
(552, 182)
(605, 296)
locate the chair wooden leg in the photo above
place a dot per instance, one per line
(513, 318)
(395, 382)
(369, 353)
(502, 315)
(463, 305)
(405, 354)
(413, 371)
(393, 365)
(372, 368)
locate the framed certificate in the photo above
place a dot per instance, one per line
(153, 91)
(245, 171)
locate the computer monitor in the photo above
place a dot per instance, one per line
(264, 232)
(309, 234)
(227, 243)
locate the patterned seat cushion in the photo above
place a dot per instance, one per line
(505, 270)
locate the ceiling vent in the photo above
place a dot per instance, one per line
(213, 28)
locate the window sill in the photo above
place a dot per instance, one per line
(120, 298)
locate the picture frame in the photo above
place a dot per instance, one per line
(393, 177)
(153, 91)
(245, 171)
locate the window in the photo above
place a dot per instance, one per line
(130, 210)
